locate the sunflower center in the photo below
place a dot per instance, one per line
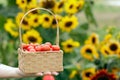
(28, 1)
(69, 46)
(22, 1)
(93, 39)
(32, 39)
(36, 20)
(25, 22)
(113, 47)
(88, 74)
(78, 6)
(48, 3)
(61, 5)
(106, 52)
(119, 53)
(103, 78)
(53, 22)
(46, 19)
(88, 50)
(34, 12)
(71, 6)
(68, 24)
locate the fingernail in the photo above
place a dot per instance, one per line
(55, 73)
(40, 74)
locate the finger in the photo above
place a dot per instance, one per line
(39, 74)
(55, 73)
(21, 74)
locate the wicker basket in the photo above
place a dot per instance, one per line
(33, 62)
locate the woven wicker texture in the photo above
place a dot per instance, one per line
(40, 62)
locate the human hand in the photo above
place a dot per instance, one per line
(22, 74)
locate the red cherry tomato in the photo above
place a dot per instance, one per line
(34, 45)
(48, 77)
(55, 48)
(29, 48)
(32, 50)
(45, 47)
(48, 43)
(25, 46)
(38, 48)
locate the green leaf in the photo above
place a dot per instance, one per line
(84, 26)
(11, 3)
(63, 75)
(1, 6)
(89, 14)
(88, 65)
(64, 36)
(2, 21)
(70, 67)
(48, 35)
(9, 11)
(78, 35)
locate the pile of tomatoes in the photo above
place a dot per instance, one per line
(40, 47)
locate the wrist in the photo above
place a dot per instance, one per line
(19, 73)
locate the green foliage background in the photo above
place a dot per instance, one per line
(9, 45)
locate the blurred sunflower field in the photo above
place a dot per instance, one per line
(90, 52)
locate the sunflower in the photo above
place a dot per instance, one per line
(94, 39)
(31, 2)
(103, 75)
(35, 21)
(58, 17)
(72, 74)
(68, 23)
(26, 24)
(89, 52)
(87, 73)
(11, 28)
(80, 4)
(107, 37)
(113, 46)
(118, 36)
(115, 70)
(58, 8)
(105, 41)
(19, 17)
(35, 12)
(69, 45)
(70, 7)
(87, 41)
(47, 3)
(118, 52)
(46, 20)
(104, 50)
(32, 36)
(21, 4)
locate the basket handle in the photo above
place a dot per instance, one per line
(20, 31)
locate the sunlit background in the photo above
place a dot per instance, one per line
(89, 35)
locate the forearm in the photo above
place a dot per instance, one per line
(9, 72)
(12, 72)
